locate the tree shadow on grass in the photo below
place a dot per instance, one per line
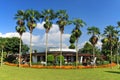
(116, 72)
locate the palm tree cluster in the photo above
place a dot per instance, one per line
(31, 17)
(110, 41)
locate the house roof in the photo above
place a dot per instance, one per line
(64, 50)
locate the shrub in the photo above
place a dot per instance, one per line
(58, 59)
(50, 59)
(11, 59)
(106, 62)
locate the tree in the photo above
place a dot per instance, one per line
(2, 45)
(77, 33)
(31, 16)
(94, 38)
(48, 16)
(110, 34)
(12, 45)
(20, 28)
(87, 48)
(62, 22)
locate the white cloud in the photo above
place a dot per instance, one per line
(40, 25)
(39, 40)
(99, 44)
(80, 45)
(25, 37)
(54, 37)
(11, 34)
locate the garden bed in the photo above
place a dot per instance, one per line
(60, 67)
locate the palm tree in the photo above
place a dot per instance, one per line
(110, 33)
(77, 33)
(62, 22)
(48, 16)
(94, 38)
(118, 43)
(20, 28)
(31, 16)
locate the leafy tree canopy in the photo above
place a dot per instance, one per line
(12, 45)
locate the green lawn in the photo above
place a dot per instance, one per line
(15, 73)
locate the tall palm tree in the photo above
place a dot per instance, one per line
(94, 38)
(48, 16)
(20, 28)
(62, 22)
(110, 33)
(77, 33)
(118, 43)
(31, 16)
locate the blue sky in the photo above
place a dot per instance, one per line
(99, 13)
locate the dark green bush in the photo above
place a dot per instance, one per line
(11, 59)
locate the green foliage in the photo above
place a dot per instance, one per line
(95, 32)
(11, 59)
(110, 40)
(60, 57)
(72, 39)
(87, 48)
(93, 40)
(31, 16)
(12, 45)
(76, 33)
(72, 46)
(50, 59)
(62, 21)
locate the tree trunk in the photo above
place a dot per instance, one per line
(111, 55)
(2, 57)
(46, 48)
(30, 49)
(77, 53)
(93, 51)
(60, 49)
(117, 55)
(20, 51)
(93, 55)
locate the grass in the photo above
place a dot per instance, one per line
(15, 73)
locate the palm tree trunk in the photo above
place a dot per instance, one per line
(61, 49)
(93, 55)
(46, 48)
(20, 51)
(93, 51)
(117, 55)
(77, 53)
(2, 57)
(111, 55)
(30, 48)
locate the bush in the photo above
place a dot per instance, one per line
(60, 57)
(38, 63)
(50, 59)
(11, 59)
(106, 62)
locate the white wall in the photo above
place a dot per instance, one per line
(34, 58)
